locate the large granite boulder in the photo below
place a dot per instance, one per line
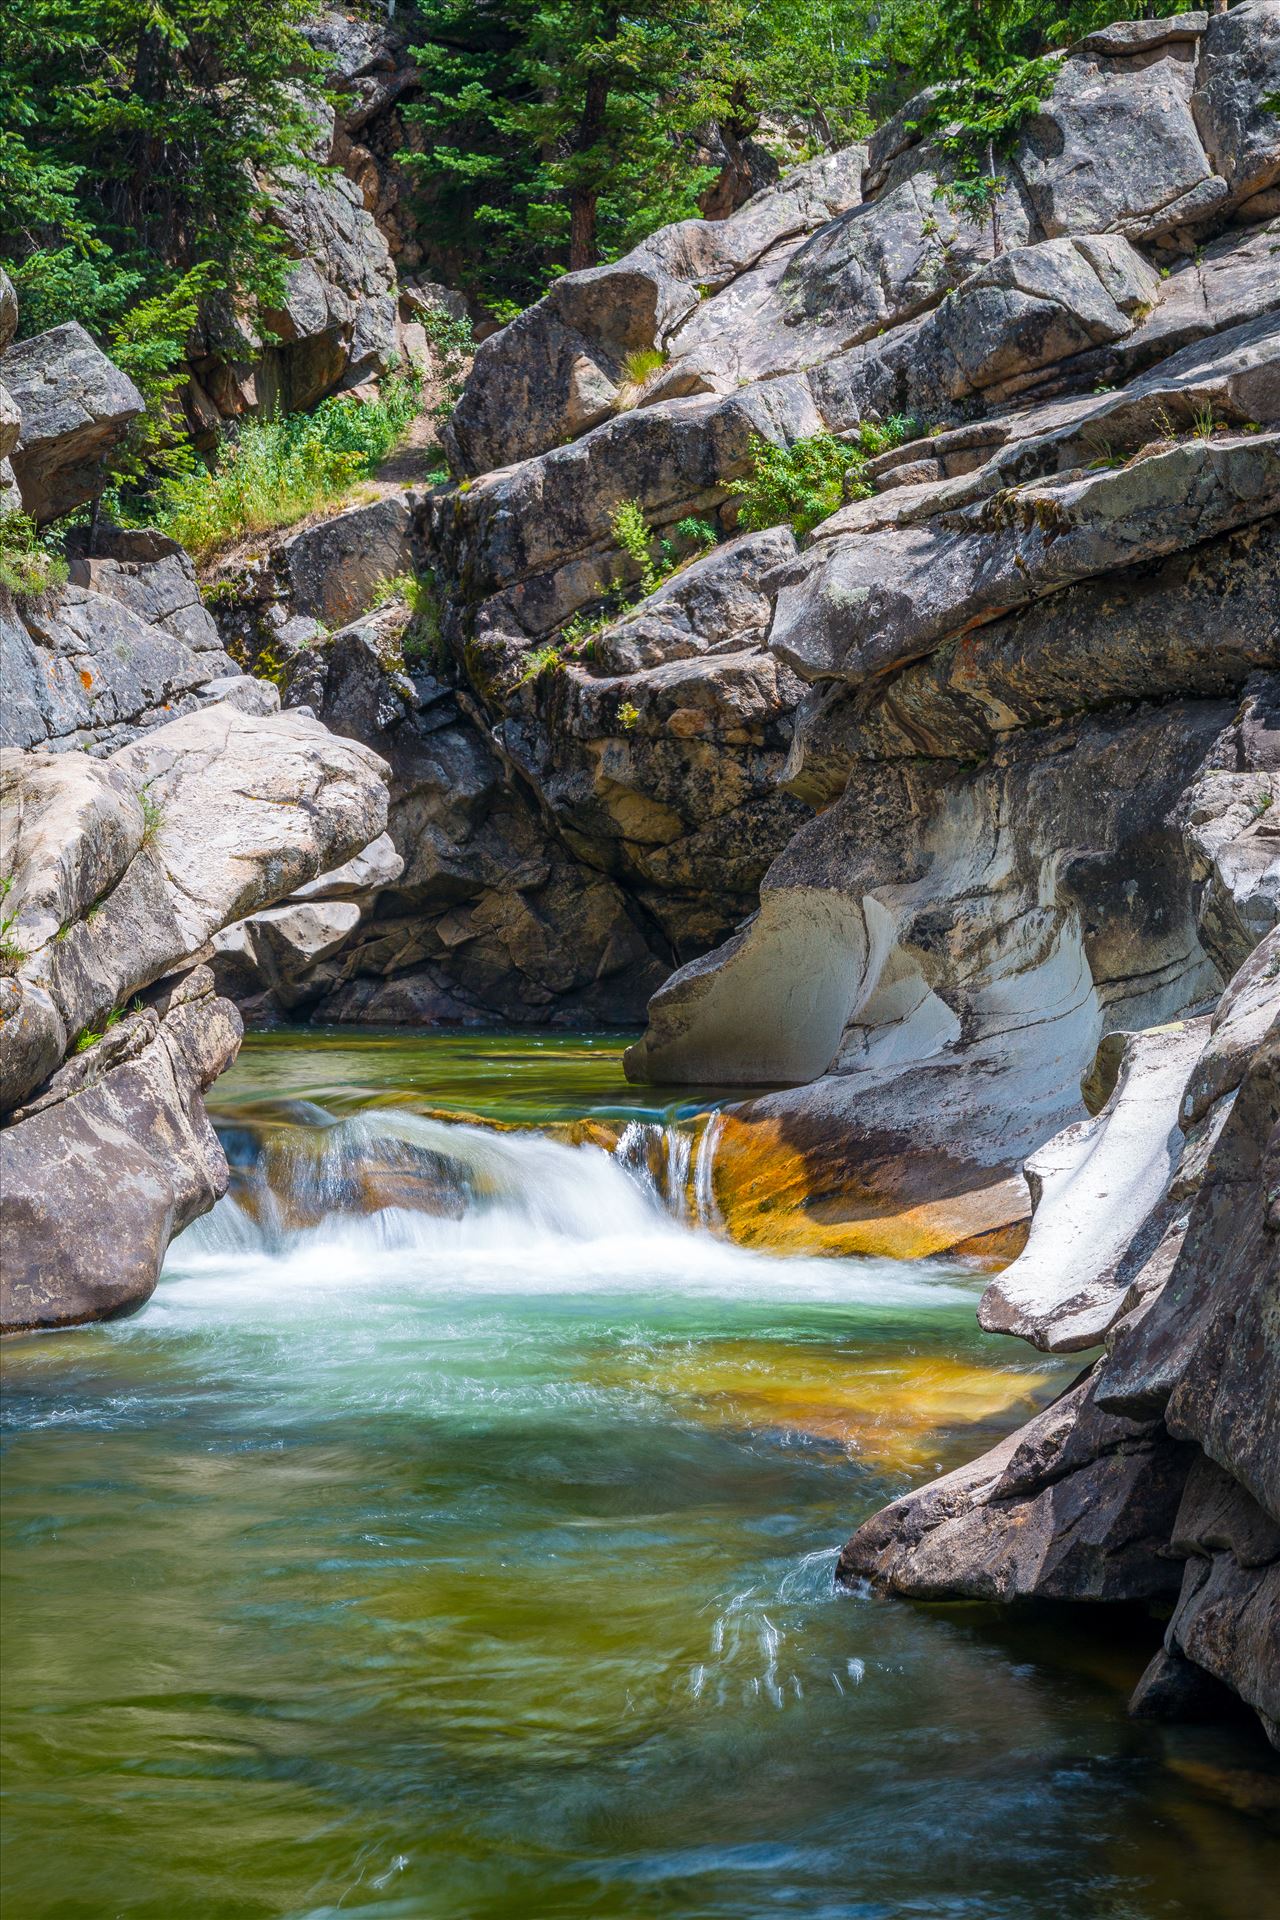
(96, 1185)
(331, 569)
(76, 407)
(118, 872)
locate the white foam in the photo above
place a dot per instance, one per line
(540, 1218)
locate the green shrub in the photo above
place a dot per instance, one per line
(633, 534)
(27, 567)
(453, 344)
(277, 471)
(424, 636)
(806, 482)
(541, 660)
(698, 533)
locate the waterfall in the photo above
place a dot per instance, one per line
(706, 1212)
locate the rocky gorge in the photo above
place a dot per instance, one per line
(949, 820)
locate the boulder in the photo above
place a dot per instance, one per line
(121, 869)
(1077, 1505)
(154, 577)
(1115, 147)
(1239, 70)
(859, 605)
(76, 408)
(561, 367)
(97, 1185)
(1094, 1188)
(1037, 305)
(82, 669)
(330, 570)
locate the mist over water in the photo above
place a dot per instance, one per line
(453, 1534)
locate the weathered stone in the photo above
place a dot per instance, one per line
(83, 669)
(331, 569)
(561, 366)
(1240, 1023)
(375, 866)
(858, 606)
(96, 1186)
(1232, 826)
(1206, 1352)
(1239, 70)
(155, 578)
(1077, 1505)
(1124, 38)
(1200, 623)
(75, 407)
(1039, 304)
(1227, 1622)
(1115, 145)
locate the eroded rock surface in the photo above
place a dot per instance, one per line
(118, 871)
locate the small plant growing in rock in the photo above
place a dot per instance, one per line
(641, 364)
(12, 953)
(633, 534)
(424, 636)
(698, 533)
(1205, 422)
(806, 482)
(628, 716)
(542, 660)
(152, 814)
(453, 346)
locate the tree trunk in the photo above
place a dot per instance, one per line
(583, 198)
(997, 245)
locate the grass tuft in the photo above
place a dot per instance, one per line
(641, 364)
(152, 814)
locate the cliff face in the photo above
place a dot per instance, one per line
(1003, 742)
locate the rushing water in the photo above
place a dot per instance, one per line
(478, 1561)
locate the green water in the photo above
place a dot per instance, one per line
(481, 1566)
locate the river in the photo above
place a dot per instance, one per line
(478, 1561)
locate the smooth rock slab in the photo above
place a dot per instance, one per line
(1093, 1188)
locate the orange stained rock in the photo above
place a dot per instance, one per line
(859, 1195)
